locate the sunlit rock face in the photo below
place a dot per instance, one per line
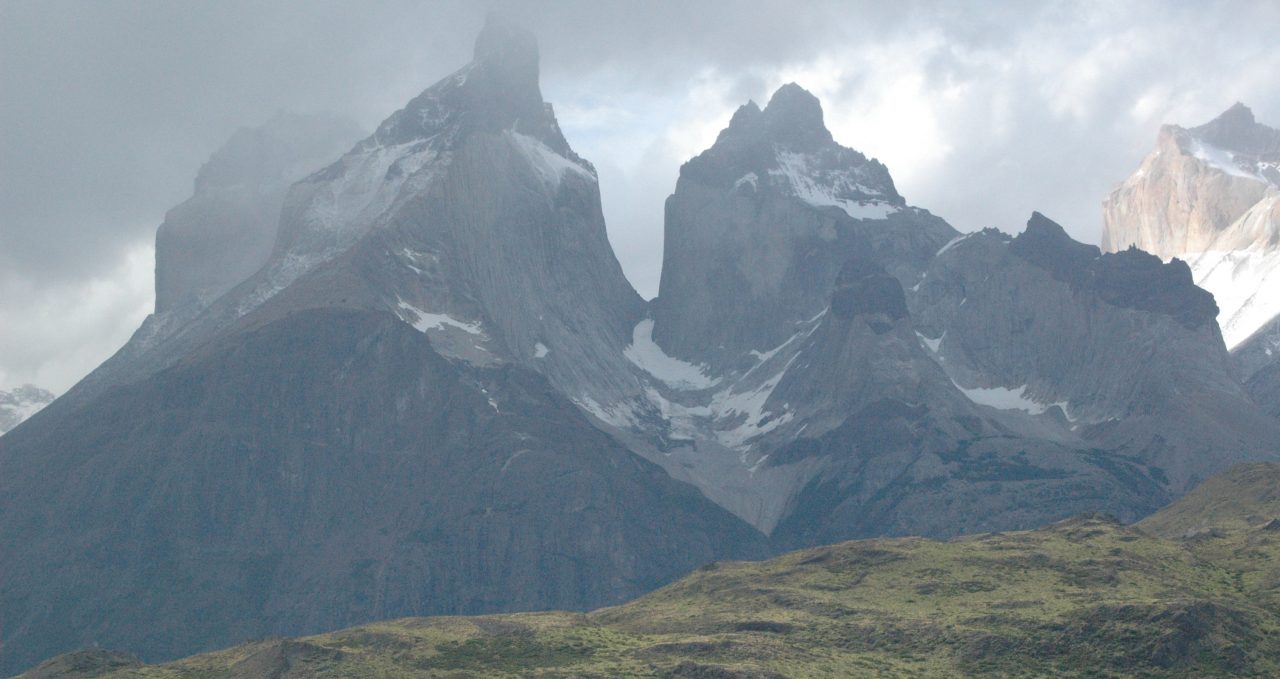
(1209, 195)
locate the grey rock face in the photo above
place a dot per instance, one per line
(465, 209)
(18, 404)
(760, 224)
(1237, 130)
(806, 373)
(1264, 387)
(1123, 344)
(894, 446)
(322, 470)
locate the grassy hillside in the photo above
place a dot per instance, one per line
(1086, 597)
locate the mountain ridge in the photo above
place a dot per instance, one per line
(1081, 597)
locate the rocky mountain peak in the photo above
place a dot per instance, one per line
(501, 41)
(747, 115)
(1046, 244)
(787, 148)
(1131, 278)
(497, 91)
(792, 120)
(225, 232)
(1237, 130)
(793, 117)
(1210, 195)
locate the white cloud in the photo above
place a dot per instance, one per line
(53, 336)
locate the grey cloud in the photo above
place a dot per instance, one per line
(108, 108)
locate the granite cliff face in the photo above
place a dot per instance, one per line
(760, 224)
(1123, 345)
(829, 362)
(1210, 195)
(318, 471)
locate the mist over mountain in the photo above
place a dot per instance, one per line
(406, 375)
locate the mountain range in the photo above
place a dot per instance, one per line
(415, 381)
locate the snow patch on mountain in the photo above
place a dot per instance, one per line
(1006, 398)
(1246, 286)
(732, 418)
(426, 320)
(645, 354)
(369, 181)
(932, 344)
(619, 415)
(749, 178)
(952, 243)
(1223, 160)
(829, 188)
(549, 166)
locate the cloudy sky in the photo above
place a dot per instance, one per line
(983, 112)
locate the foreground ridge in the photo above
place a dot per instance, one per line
(1082, 597)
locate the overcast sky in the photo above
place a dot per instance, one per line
(983, 112)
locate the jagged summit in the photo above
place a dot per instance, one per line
(792, 204)
(280, 151)
(786, 147)
(1046, 244)
(792, 118)
(1237, 130)
(501, 40)
(1210, 195)
(497, 91)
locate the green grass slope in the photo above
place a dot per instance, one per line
(1086, 597)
